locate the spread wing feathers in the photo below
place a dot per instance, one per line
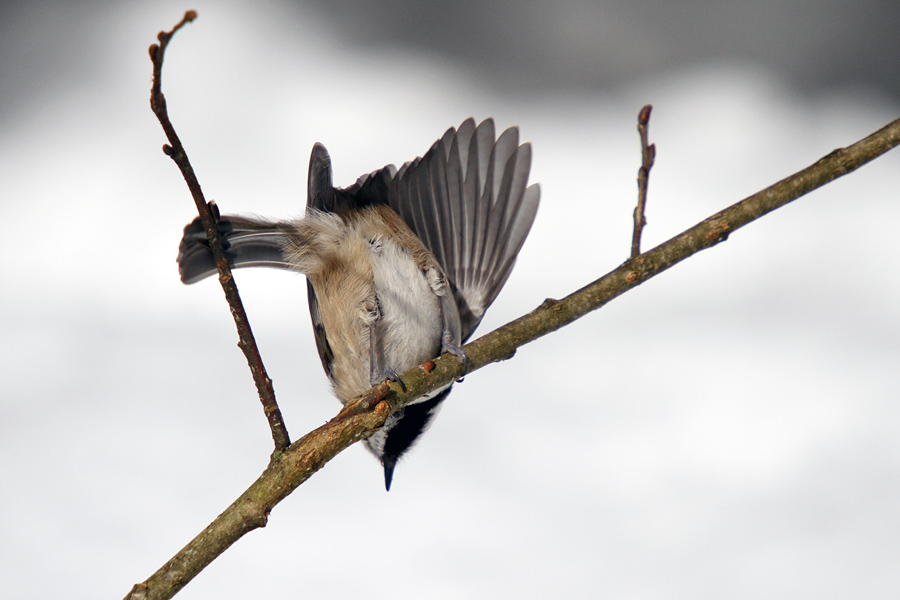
(247, 241)
(469, 202)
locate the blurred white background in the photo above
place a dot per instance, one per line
(727, 430)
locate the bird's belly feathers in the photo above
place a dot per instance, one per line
(376, 283)
(409, 331)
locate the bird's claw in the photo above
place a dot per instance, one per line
(460, 354)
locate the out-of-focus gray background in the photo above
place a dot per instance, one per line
(728, 430)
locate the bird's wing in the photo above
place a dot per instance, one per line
(469, 201)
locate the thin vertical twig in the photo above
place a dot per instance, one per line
(175, 150)
(648, 154)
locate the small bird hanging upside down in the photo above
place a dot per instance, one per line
(400, 266)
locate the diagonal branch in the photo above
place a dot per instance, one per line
(209, 218)
(361, 418)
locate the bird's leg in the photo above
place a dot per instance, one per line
(448, 341)
(377, 371)
(449, 317)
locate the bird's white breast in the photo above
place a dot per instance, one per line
(410, 326)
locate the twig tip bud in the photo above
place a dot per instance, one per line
(190, 15)
(644, 115)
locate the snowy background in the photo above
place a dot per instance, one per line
(727, 430)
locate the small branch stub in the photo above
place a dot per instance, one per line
(648, 155)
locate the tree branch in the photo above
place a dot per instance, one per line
(209, 218)
(362, 417)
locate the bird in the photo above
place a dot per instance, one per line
(401, 266)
